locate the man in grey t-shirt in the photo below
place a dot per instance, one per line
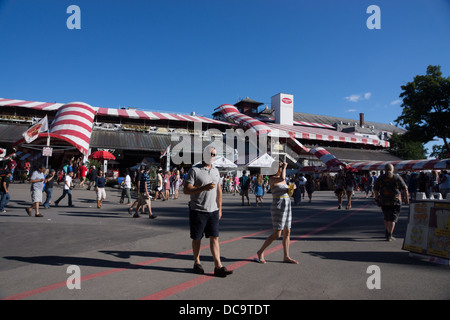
(202, 183)
(37, 184)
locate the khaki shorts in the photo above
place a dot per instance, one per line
(143, 199)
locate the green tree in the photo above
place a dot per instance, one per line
(440, 152)
(426, 108)
(405, 148)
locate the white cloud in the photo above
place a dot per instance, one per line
(351, 110)
(359, 97)
(353, 98)
(393, 103)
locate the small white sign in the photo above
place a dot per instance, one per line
(47, 152)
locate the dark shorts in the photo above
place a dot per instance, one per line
(391, 213)
(203, 223)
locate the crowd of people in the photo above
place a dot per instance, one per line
(166, 185)
(389, 190)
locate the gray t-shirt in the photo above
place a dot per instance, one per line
(199, 176)
(37, 186)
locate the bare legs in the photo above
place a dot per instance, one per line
(214, 247)
(389, 226)
(286, 242)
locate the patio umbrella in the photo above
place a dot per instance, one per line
(102, 155)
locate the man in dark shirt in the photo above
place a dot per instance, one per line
(49, 187)
(100, 183)
(4, 192)
(388, 192)
(137, 181)
(92, 176)
(144, 194)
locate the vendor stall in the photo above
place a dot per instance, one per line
(428, 231)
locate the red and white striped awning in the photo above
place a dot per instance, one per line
(436, 164)
(151, 115)
(326, 157)
(326, 135)
(74, 122)
(231, 113)
(30, 104)
(301, 123)
(315, 124)
(122, 113)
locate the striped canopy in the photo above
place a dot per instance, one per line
(73, 122)
(231, 113)
(436, 164)
(121, 113)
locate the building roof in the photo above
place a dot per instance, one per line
(112, 112)
(248, 101)
(330, 122)
(129, 140)
(311, 133)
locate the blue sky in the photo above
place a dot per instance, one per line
(194, 55)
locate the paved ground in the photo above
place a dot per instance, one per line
(124, 258)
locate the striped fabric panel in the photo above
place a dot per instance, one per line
(74, 122)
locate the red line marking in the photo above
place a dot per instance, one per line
(191, 283)
(199, 280)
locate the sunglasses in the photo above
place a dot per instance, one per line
(213, 154)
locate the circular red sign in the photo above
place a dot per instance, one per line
(286, 100)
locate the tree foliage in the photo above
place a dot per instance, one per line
(405, 148)
(426, 108)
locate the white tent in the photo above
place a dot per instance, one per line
(223, 162)
(264, 161)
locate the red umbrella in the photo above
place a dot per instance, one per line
(101, 155)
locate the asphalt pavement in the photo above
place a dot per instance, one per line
(86, 253)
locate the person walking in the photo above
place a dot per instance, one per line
(281, 213)
(4, 191)
(339, 191)
(244, 182)
(302, 184)
(259, 189)
(205, 210)
(92, 176)
(67, 190)
(126, 187)
(349, 183)
(297, 195)
(159, 185)
(12, 164)
(176, 181)
(388, 190)
(144, 194)
(37, 184)
(49, 180)
(412, 185)
(100, 183)
(167, 185)
(137, 181)
(235, 184)
(309, 186)
(82, 171)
